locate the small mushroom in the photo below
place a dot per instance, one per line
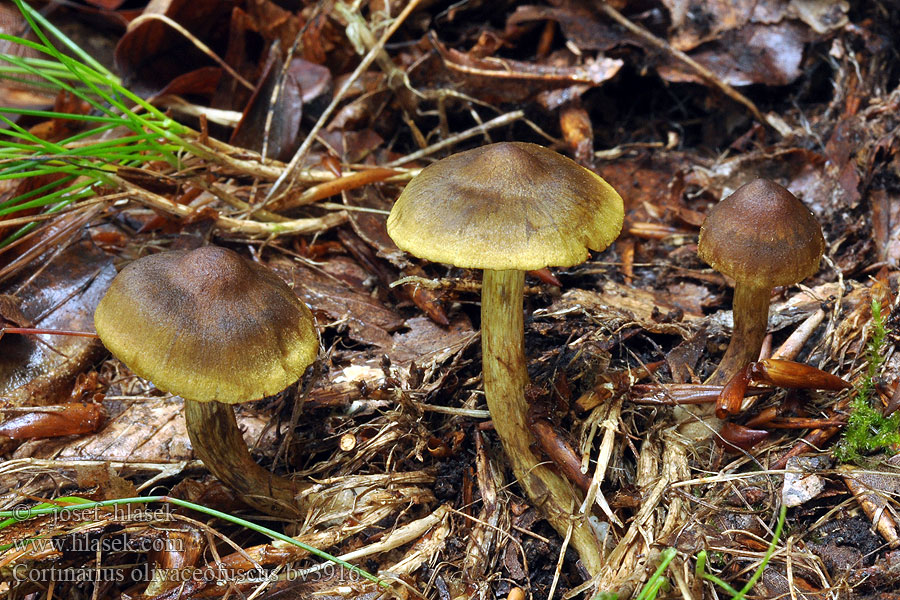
(508, 208)
(215, 329)
(761, 236)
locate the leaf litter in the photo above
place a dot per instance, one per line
(675, 103)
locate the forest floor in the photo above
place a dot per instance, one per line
(288, 129)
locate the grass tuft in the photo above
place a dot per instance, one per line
(76, 166)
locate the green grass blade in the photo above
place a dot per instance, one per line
(35, 17)
(20, 514)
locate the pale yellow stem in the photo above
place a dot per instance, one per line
(505, 378)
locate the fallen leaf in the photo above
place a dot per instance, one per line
(37, 370)
(367, 319)
(765, 54)
(427, 343)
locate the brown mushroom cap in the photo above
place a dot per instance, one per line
(762, 236)
(509, 205)
(207, 325)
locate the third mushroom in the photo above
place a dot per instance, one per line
(761, 236)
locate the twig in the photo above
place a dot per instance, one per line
(225, 155)
(702, 71)
(351, 208)
(394, 539)
(610, 426)
(55, 236)
(363, 39)
(477, 130)
(560, 560)
(338, 97)
(451, 284)
(473, 413)
(235, 202)
(794, 343)
(293, 226)
(438, 284)
(334, 187)
(47, 216)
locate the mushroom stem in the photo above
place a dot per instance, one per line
(218, 442)
(505, 378)
(751, 317)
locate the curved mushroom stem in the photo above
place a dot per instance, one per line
(505, 378)
(751, 317)
(218, 442)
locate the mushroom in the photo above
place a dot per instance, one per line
(508, 208)
(215, 329)
(761, 236)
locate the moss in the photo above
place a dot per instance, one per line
(867, 429)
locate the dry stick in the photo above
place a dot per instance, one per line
(43, 331)
(71, 223)
(477, 130)
(224, 155)
(48, 216)
(873, 504)
(334, 187)
(394, 539)
(794, 343)
(559, 561)
(293, 226)
(363, 65)
(702, 71)
(277, 552)
(674, 468)
(363, 39)
(235, 202)
(595, 494)
(482, 536)
(653, 482)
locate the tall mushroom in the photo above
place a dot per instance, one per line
(508, 208)
(215, 329)
(761, 236)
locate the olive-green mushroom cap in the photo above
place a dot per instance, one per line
(762, 236)
(509, 205)
(207, 325)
